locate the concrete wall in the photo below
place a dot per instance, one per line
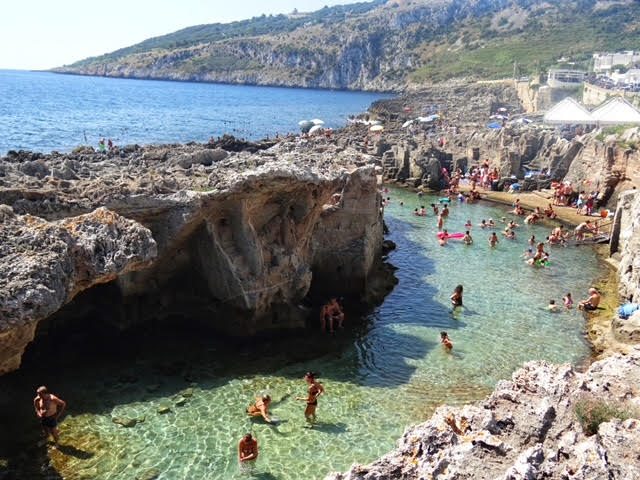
(596, 95)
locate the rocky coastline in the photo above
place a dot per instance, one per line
(255, 233)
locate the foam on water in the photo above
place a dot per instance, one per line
(379, 377)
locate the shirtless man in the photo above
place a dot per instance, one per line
(331, 312)
(493, 239)
(48, 409)
(260, 408)
(591, 303)
(467, 239)
(582, 229)
(315, 390)
(247, 452)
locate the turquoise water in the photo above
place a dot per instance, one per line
(42, 111)
(380, 374)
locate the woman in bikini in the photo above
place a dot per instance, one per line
(260, 408)
(315, 390)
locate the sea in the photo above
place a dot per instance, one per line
(44, 111)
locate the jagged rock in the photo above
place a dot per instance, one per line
(163, 409)
(526, 429)
(44, 265)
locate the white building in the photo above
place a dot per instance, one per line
(603, 62)
(566, 78)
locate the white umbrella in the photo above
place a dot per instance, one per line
(376, 128)
(303, 122)
(314, 129)
(375, 122)
(407, 123)
(317, 121)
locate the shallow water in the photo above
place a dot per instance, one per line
(380, 375)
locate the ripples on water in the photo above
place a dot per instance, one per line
(380, 376)
(42, 111)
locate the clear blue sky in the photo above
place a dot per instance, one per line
(40, 34)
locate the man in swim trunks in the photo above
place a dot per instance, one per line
(591, 303)
(315, 390)
(331, 313)
(493, 239)
(248, 452)
(582, 229)
(467, 239)
(48, 409)
(260, 408)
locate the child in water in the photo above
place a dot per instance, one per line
(568, 301)
(446, 341)
(552, 307)
(468, 225)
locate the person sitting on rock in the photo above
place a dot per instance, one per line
(331, 313)
(591, 303)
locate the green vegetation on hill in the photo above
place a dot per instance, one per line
(384, 44)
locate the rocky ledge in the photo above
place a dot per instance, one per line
(528, 429)
(245, 237)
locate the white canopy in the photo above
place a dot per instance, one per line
(616, 111)
(568, 111)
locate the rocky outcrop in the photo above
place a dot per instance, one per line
(44, 265)
(527, 429)
(246, 242)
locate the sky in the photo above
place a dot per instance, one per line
(42, 34)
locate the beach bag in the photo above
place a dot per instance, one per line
(626, 310)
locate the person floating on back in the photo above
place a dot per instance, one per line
(48, 409)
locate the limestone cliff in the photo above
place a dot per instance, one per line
(526, 429)
(44, 265)
(245, 241)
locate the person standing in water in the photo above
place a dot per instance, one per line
(456, 298)
(248, 452)
(493, 239)
(315, 390)
(48, 409)
(446, 341)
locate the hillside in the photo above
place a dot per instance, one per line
(381, 45)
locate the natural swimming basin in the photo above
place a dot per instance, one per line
(380, 377)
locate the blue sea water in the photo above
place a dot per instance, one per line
(43, 111)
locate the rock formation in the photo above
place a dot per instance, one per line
(527, 429)
(44, 265)
(245, 241)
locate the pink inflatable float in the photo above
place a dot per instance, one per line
(451, 235)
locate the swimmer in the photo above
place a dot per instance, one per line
(423, 212)
(445, 211)
(493, 239)
(435, 208)
(446, 341)
(468, 225)
(513, 225)
(503, 219)
(491, 223)
(552, 307)
(260, 408)
(315, 390)
(483, 223)
(456, 297)
(528, 253)
(467, 239)
(532, 240)
(591, 303)
(416, 212)
(510, 234)
(440, 221)
(568, 301)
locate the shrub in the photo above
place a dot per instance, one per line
(591, 412)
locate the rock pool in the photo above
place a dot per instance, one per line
(380, 375)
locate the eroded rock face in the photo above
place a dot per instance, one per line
(526, 429)
(243, 235)
(44, 265)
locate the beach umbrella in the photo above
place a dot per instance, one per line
(375, 122)
(407, 123)
(302, 123)
(376, 128)
(305, 125)
(317, 121)
(494, 125)
(314, 129)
